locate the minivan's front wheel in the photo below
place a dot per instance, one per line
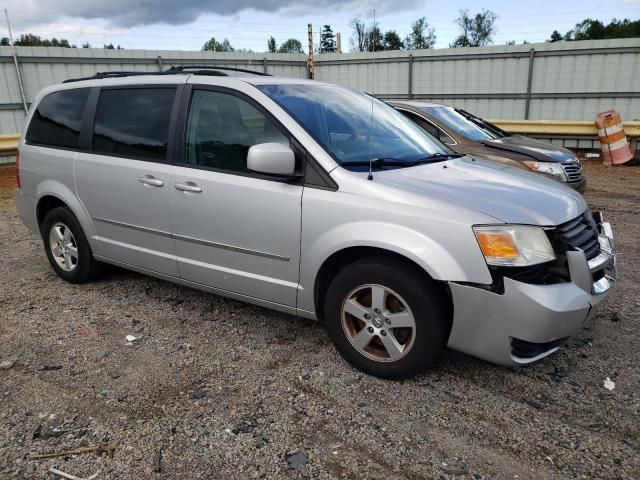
(386, 318)
(67, 247)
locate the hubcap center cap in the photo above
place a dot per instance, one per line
(378, 321)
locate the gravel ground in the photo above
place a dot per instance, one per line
(218, 389)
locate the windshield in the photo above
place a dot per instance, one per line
(341, 120)
(459, 124)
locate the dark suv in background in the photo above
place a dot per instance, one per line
(466, 133)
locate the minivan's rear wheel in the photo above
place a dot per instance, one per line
(67, 247)
(63, 246)
(386, 318)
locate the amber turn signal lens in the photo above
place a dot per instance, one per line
(532, 164)
(497, 245)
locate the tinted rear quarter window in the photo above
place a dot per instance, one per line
(133, 122)
(58, 118)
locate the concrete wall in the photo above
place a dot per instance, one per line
(43, 66)
(546, 81)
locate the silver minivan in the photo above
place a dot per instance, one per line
(315, 200)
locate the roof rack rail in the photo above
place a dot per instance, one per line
(205, 68)
(111, 74)
(193, 69)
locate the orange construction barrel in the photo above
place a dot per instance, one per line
(615, 148)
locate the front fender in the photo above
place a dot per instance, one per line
(436, 259)
(64, 194)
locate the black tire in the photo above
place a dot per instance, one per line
(426, 300)
(86, 268)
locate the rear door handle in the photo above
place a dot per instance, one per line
(151, 180)
(188, 187)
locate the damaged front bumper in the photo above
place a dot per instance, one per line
(528, 322)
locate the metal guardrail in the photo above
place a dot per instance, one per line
(9, 144)
(560, 127)
(553, 128)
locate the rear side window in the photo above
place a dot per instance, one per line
(58, 118)
(133, 122)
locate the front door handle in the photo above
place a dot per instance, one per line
(188, 187)
(151, 180)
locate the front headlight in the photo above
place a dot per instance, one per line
(514, 245)
(547, 167)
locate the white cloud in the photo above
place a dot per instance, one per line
(127, 13)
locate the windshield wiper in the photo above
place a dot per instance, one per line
(394, 162)
(379, 162)
(437, 157)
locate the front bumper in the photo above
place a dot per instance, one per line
(528, 322)
(580, 186)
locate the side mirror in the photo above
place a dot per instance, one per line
(272, 159)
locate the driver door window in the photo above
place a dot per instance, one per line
(222, 127)
(430, 128)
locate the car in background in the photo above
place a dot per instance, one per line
(465, 133)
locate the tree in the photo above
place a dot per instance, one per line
(476, 31)
(31, 40)
(327, 40)
(556, 36)
(272, 46)
(291, 46)
(226, 46)
(375, 40)
(421, 36)
(4, 42)
(371, 39)
(359, 40)
(392, 41)
(212, 45)
(86, 45)
(590, 29)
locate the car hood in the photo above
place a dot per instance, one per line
(539, 150)
(508, 194)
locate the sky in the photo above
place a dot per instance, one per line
(187, 24)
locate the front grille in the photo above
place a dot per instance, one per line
(573, 171)
(581, 233)
(524, 349)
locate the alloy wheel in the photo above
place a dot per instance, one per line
(378, 323)
(64, 248)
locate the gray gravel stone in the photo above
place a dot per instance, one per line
(275, 384)
(6, 364)
(297, 461)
